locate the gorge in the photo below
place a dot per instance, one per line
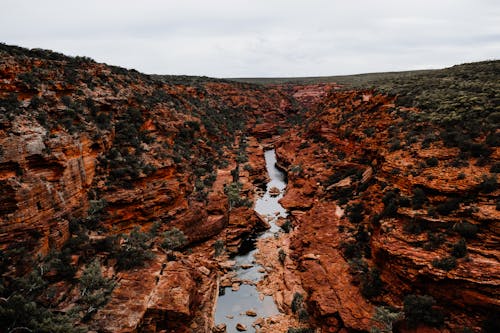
(123, 197)
(233, 305)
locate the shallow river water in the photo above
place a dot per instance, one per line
(232, 305)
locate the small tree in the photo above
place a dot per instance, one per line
(94, 288)
(135, 250)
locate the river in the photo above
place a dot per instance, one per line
(232, 305)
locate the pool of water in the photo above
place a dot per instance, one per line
(232, 305)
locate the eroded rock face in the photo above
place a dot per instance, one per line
(349, 167)
(95, 148)
(43, 182)
(130, 141)
(171, 295)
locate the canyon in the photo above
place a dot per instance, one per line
(124, 198)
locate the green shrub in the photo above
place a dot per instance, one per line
(459, 249)
(61, 262)
(391, 209)
(370, 131)
(173, 239)
(466, 229)
(491, 324)
(386, 317)
(355, 212)
(218, 247)
(287, 226)
(493, 140)
(488, 185)
(448, 206)
(394, 144)
(233, 195)
(415, 226)
(297, 302)
(18, 314)
(135, 250)
(446, 263)
(303, 315)
(419, 309)
(350, 250)
(371, 284)
(419, 198)
(94, 288)
(495, 168)
(300, 330)
(432, 162)
(434, 241)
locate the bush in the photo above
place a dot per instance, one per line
(493, 140)
(134, 251)
(371, 284)
(419, 198)
(355, 212)
(495, 168)
(419, 309)
(434, 240)
(446, 263)
(94, 288)
(432, 162)
(386, 317)
(491, 324)
(300, 330)
(281, 256)
(218, 247)
(448, 206)
(287, 226)
(173, 239)
(415, 226)
(20, 310)
(297, 302)
(18, 314)
(303, 315)
(233, 195)
(350, 250)
(488, 185)
(466, 229)
(459, 249)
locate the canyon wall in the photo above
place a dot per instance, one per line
(393, 194)
(382, 213)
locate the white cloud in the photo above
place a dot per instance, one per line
(226, 38)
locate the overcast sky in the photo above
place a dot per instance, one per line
(259, 38)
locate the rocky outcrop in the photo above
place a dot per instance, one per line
(167, 295)
(44, 181)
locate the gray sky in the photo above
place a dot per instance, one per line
(259, 38)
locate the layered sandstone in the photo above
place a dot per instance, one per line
(365, 165)
(378, 193)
